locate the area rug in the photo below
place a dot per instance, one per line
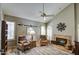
(43, 50)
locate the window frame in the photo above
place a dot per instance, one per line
(14, 31)
(43, 30)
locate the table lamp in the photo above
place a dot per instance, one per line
(31, 32)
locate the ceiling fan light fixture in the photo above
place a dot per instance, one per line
(44, 15)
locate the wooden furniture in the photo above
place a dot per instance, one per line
(24, 45)
(4, 32)
(33, 44)
(55, 43)
(63, 42)
(43, 40)
(76, 50)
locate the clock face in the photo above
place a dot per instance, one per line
(61, 27)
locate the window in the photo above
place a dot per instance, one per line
(43, 32)
(10, 30)
(49, 32)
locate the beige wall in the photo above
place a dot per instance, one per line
(22, 30)
(77, 21)
(67, 17)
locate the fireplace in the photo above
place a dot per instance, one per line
(62, 40)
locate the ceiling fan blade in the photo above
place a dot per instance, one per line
(49, 15)
(45, 15)
(31, 25)
(27, 25)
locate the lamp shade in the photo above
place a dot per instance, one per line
(31, 31)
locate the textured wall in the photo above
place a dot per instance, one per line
(67, 17)
(77, 21)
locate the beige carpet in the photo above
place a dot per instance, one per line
(44, 50)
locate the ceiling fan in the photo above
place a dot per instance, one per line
(27, 25)
(43, 13)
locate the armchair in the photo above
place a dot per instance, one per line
(23, 44)
(43, 40)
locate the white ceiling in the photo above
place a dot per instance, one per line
(31, 11)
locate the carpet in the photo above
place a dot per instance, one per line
(43, 50)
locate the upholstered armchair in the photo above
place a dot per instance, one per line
(23, 44)
(43, 40)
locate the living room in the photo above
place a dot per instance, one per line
(52, 29)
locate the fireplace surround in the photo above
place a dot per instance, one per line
(62, 40)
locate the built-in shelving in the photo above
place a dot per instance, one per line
(4, 33)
